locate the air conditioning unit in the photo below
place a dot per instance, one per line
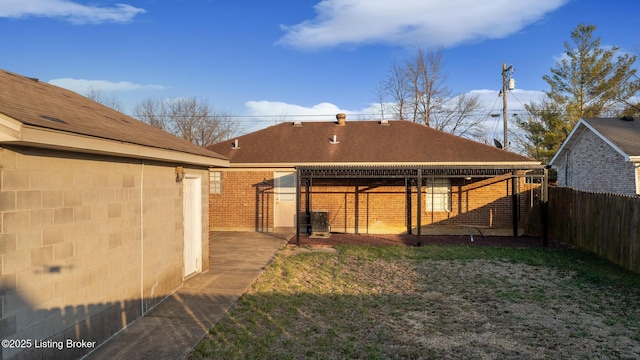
(320, 227)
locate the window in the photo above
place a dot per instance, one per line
(438, 194)
(215, 182)
(533, 180)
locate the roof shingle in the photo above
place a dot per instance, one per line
(625, 134)
(47, 106)
(360, 142)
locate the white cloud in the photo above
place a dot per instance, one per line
(281, 111)
(410, 22)
(82, 86)
(264, 113)
(68, 10)
(276, 111)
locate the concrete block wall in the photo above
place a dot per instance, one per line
(87, 245)
(592, 165)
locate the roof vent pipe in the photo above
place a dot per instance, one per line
(334, 140)
(235, 144)
(342, 119)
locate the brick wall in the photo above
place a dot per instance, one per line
(246, 203)
(87, 244)
(593, 165)
(382, 209)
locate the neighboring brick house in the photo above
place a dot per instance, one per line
(365, 174)
(101, 217)
(601, 155)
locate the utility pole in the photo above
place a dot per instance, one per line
(506, 80)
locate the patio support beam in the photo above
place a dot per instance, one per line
(411, 174)
(298, 180)
(408, 187)
(545, 208)
(514, 202)
(419, 210)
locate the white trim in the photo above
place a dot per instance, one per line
(381, 164)
(52, 139)
(282, 206)
(435, 195)
(606, 140)
(9, 129)
(575, 129)
(566, 141)
(192, 205)
(265, 169)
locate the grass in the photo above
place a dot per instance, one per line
(435, 302)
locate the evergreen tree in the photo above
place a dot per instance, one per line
(589, 81)
(544, 131)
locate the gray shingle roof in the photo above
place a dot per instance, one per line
(360, 141)
(47, 106)
(624, 134)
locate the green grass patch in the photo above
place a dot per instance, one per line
(397, 302)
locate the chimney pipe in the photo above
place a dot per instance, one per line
(342, 119)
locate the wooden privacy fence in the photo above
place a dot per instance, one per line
(605, 224)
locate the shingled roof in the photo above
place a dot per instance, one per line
(360, 142)
(28, 104)
(622, 134)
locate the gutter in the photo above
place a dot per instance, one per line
(503, 164)
(19, 134)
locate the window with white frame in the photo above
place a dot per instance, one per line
(215, 182)
(438, 195)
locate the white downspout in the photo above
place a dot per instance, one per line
(142, 239)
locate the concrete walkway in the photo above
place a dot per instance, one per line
(175, 326)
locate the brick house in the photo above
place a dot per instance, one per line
(101, 217)
(370, 177)
(601, 155)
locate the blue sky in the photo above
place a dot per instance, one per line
(272, 60)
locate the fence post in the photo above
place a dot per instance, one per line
(545, 207)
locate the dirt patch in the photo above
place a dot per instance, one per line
(377, 303)
(336, 239)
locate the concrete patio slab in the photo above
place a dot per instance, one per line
(175, 326)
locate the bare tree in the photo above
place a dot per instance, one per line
(109, 100)
(427, 80)
(397, 88)
(459, 115)
(188, 118)
(420, 94)
(154, 112)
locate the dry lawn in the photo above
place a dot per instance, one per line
(433, 302)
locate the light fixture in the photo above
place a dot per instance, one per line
(179, 173)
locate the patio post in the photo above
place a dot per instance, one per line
(419, 211)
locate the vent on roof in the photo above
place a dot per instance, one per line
(627, 118)
(334, 140)
(235, 145)
(50, 118)
(342, 119)
(297, 124)
(384, 122)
